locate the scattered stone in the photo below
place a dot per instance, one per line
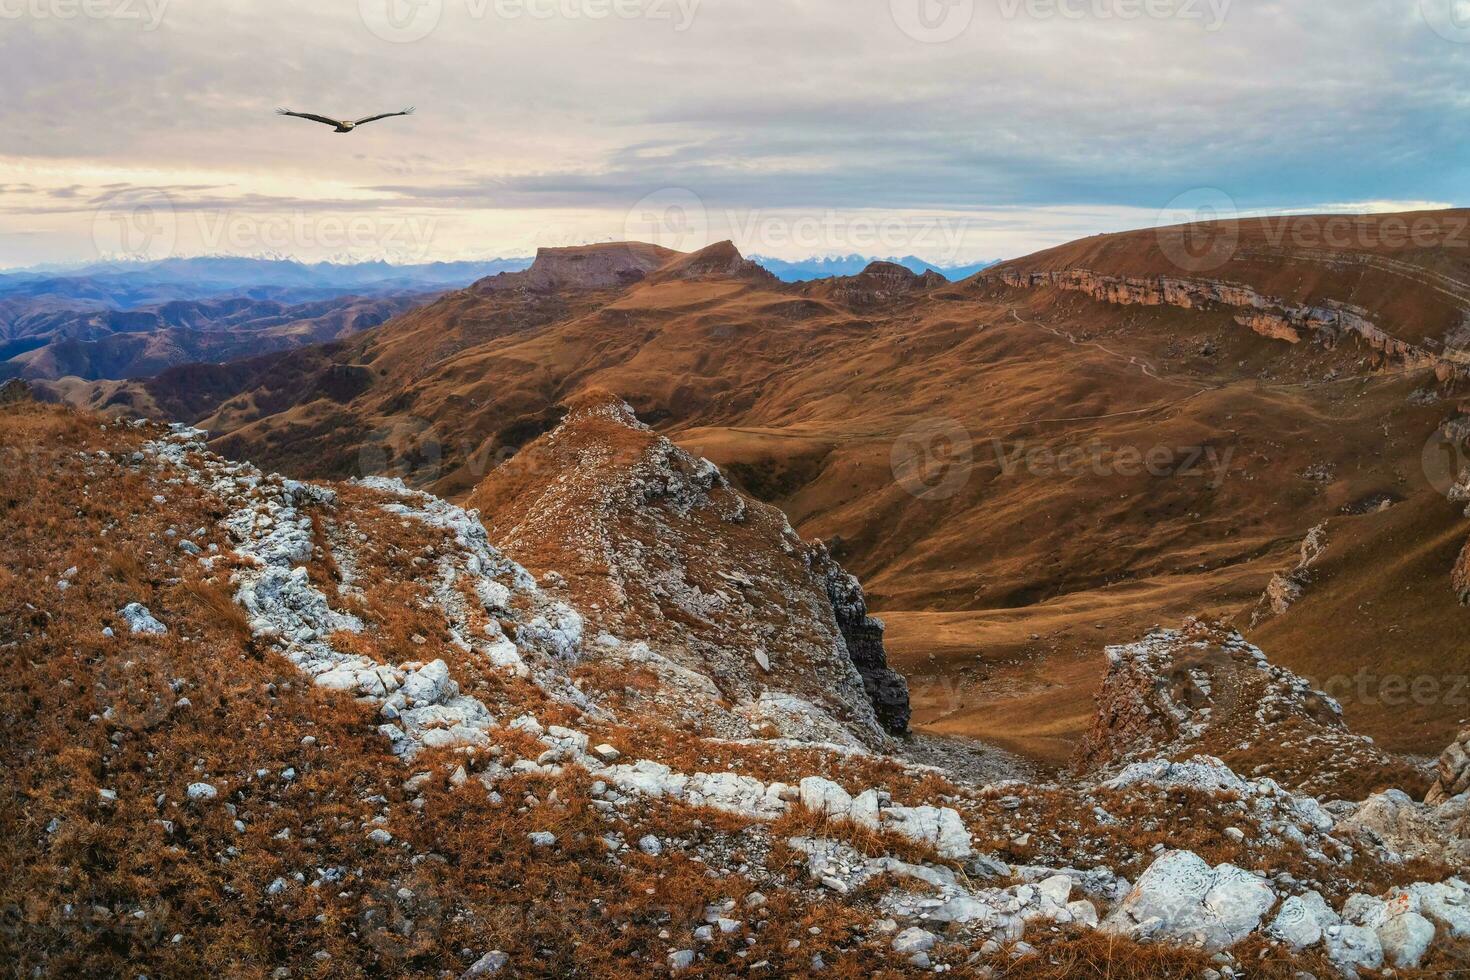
(913, 940)
(140, 620)
(489, 964)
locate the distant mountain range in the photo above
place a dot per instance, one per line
(114, 320)
(804, 270)
(130, 285)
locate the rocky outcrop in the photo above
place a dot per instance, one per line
(605, 266)
(1452, 774)
(271, 524)
(1286, 588)
(863, 634)
(1402, 829)
(721, 260)
(1163, 693)
(1278, 319)
(878, 284)
(1205, 688)
(745, 625)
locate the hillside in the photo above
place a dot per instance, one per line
(1022, 467)
(397, 751)
(141, 343)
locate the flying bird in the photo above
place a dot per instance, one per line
(343, 125)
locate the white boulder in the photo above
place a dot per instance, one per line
(140, 620)
(1182, 899)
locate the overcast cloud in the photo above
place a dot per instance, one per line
(952, 129)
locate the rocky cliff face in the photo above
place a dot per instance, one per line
(863, 634)
(608, 266)
(879, 284)
(746, 626)
(1327, 324)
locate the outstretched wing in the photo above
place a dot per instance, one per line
(308, 115)
(406, 112)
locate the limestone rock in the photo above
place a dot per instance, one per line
(1182, 899)
(1303, 920)
(1453, 772)
(140, 620)
(488, 965)
(938, 826)
(913, 940)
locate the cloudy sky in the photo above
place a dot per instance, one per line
(952, 129)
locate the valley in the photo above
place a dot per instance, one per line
(1099, 464)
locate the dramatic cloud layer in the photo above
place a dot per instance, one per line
(953, 129)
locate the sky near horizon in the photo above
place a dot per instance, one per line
(954, 130)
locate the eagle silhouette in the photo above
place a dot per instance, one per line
(343, 125)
